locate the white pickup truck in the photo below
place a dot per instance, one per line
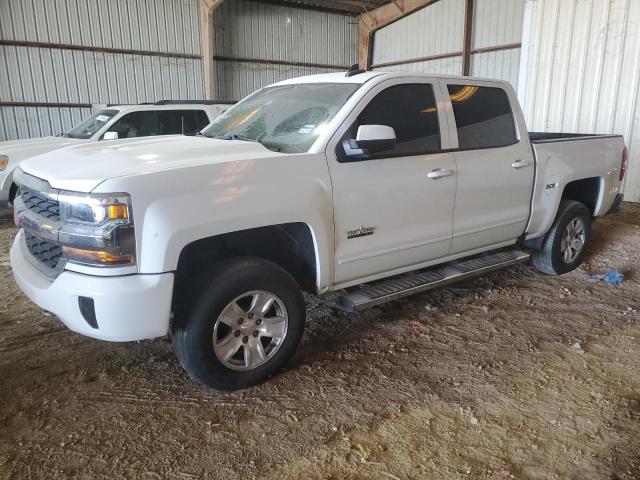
(379, 184)
(166, 117)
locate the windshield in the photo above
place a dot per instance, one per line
(287, 118)
(92, 124)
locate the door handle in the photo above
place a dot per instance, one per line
(520, 164)
(439, 173)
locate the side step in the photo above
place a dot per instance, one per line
(408, 284)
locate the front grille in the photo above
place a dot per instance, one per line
(39, 203)
(46, 252)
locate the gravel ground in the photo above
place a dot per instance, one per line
(514, 375)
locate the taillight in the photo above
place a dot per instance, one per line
(623, 165)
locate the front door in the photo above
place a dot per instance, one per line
(393, 209)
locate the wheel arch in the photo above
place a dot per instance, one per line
(292, 246)
(587, 191)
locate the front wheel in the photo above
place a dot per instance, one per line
(244, 326)
(566, 243)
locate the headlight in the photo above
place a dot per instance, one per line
(97, 229)
(4, 161)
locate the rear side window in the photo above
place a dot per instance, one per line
(410, 109)
(186, 122)
(483, 117)
(203, 120)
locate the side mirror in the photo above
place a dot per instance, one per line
(369, 140)
(110, 136)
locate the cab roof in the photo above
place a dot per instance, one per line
(364, 77)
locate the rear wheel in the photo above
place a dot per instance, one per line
(243, 327)
(566, 243)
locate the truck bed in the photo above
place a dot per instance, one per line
(562, 158)
(545, 137)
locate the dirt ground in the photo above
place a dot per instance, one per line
(515, 375)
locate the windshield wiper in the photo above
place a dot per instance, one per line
(235, 136)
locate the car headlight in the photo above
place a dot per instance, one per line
(4, 161)
(97, 229)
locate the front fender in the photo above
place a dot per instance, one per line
(174, 208)
(6, 180)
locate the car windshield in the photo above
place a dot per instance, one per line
(286, 118)
(92, 124)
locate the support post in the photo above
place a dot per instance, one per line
(468, 37)
(207, 34)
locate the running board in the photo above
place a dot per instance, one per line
(386, 290)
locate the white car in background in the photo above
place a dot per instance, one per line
(166, 117)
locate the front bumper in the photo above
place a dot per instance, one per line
(127, 308)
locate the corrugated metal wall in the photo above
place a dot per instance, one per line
(503, 65)
(434, 30)
(580, 71)
(445, 66)
(439, 29)
(62, 75)
(249, 30)
(495, 23)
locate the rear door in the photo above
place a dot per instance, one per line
(389, 212)
(494, 162)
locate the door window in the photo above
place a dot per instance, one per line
(410, 109)
(483, 117)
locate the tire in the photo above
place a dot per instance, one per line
(203, 337)
(551, 258)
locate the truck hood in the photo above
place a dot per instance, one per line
(82, 168)
(19, 150)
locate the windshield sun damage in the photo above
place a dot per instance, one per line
(91, 125)
(286, 118)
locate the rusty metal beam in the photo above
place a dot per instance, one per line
(86, 48)
(350, 12)
(497, 48)
(45, 104)
(223, 58)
